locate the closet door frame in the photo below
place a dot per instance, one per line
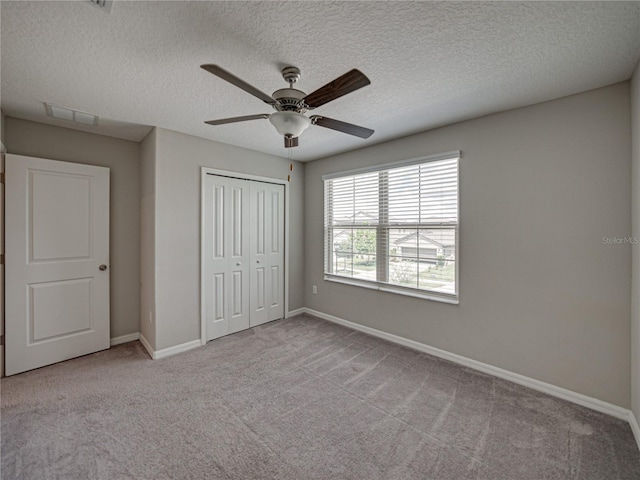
(241, 176)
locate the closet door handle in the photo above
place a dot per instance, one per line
(238, 264)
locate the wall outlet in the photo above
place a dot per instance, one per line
(314, 289)
(150, 317)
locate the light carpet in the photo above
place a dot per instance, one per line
(297, 399)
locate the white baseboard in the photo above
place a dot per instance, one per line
(125, 338)
(167, 352)
(635, 428)
(574, 397)
(293, 313)
(183, 347)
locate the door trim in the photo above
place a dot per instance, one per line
(204, 171)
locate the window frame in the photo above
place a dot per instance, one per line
(450, 298)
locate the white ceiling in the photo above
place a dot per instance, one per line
(430, 63)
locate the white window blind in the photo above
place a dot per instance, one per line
(395, 228)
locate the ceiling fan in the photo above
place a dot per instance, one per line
(291, 104)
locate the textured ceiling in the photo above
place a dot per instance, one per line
(430, 63)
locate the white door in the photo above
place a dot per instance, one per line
(226, 255)
(267, 252)
(243, 254)
(56, 255)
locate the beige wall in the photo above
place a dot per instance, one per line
(2, 126)
(179, 158)
(635, 206)
(540, 294)
(122, 157)
(147, 238)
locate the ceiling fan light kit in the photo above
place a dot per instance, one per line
(291, 104)
(289, 123)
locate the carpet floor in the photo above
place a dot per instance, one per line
(297, 399)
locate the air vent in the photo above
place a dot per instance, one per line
(71, 115)
(104, 5)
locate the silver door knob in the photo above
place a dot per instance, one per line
(102, 267)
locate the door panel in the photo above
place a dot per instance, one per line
(258, 261)
(59, 308)
(276, 255)
(259, 221)
(238, 227)
(218, 297)
(260, 290)
(275, 283)
(57, 224)
(236, 294)
(218, 222)
(275, 217)
(60, 216)
(267, 252)
(226, 273)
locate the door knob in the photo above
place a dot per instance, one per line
(238, 264)
(102, 267)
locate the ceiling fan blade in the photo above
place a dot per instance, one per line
(290, 142)
(231, 78)
(347, 83)
(341, 126)
(222, 121)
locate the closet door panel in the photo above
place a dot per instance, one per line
(238, 313)
(226, 262)
(259, 264)
(276, 252)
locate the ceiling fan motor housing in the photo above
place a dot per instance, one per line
(289, 100)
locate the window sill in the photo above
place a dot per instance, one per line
(392, 289)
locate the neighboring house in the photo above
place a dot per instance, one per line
(427, 246)
(340, 237)
(359, 218)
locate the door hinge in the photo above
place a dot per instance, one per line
(2, 259)
(1, 177)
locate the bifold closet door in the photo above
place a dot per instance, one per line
(267, 252)
(226, 255)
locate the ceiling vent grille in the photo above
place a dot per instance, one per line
(71, 115)
(104, 5)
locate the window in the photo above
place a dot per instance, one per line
(395, 227)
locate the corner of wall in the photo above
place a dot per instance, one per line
(635, 262)
(2, 152)
(635, 428)
(2, 130)
(148, 157)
